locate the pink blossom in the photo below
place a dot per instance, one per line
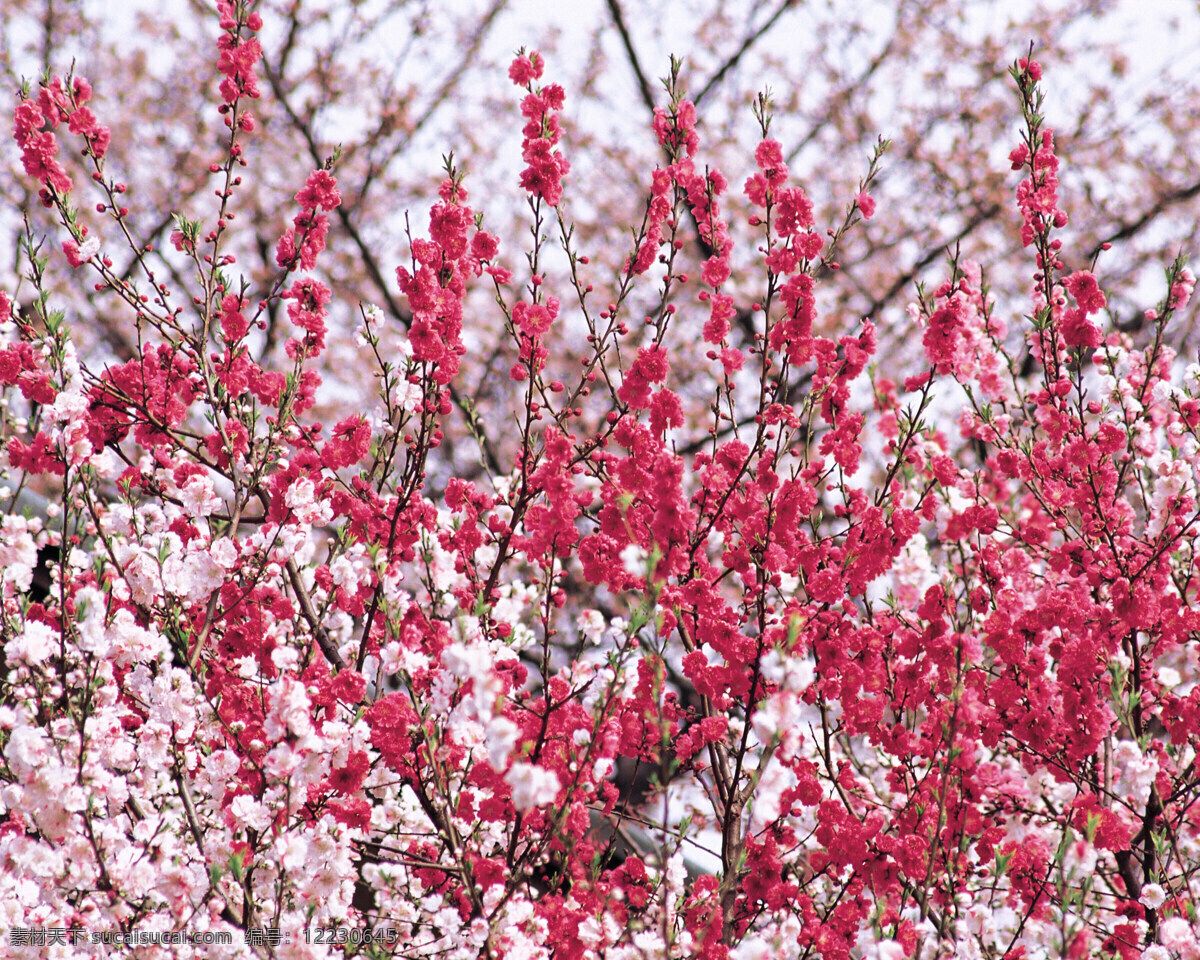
(1181, 290)
(535, 319)
(80, 253)
(319, 192)
(1083, 287)
(525, 68)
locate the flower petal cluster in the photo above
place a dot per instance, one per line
(545, 167)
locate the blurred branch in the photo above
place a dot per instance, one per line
(1131, 228)
(750, 41)
(981, 217)
(468, 57)
(614, 7)
(839, 100)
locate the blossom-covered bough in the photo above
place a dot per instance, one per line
(711, 665)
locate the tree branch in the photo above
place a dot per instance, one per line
(614, 7)
(750, 41)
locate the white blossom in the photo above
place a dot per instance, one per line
(532, 786)
(501, 736)
(633, 559)
(198, 497)
(1153, 896)
(36, 642)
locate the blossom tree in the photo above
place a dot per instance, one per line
(731, 644)
(840, 77)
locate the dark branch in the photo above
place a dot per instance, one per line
(749, 42)
(1133, 227)
(614, 7)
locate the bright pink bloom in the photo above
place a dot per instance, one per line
(319, 191)
(1083, 287)
(535, 319)
(526, 68)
